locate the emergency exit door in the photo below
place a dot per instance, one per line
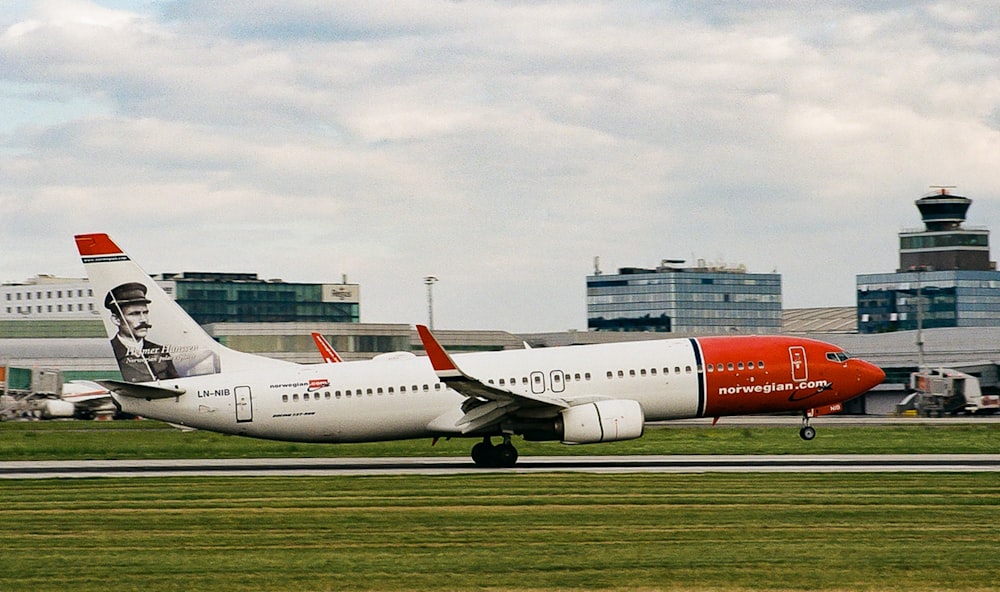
(800, 371)
(244, 404)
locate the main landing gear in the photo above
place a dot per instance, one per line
(807, 432)
(486, 455)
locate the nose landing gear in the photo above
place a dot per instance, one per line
(807, 432)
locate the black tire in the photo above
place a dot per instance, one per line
(807, 433)
(484, 455)
(505, 455)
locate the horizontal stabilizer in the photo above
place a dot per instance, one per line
(140, 391)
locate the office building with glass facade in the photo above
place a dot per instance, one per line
(244, 298)
(207, 297)
(694, 300)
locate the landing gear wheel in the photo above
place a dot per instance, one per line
(807, 433)
(505, 455)
(484, 453)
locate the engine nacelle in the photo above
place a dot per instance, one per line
(55, 408)
(603, 421)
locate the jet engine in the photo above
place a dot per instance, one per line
(603, 421)
(55, 408)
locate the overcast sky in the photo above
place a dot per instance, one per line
(500, 146)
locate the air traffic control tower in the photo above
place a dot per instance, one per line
(944, 244)
(945, 276)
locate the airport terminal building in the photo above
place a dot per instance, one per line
(207, 297)
(945, 277)
(706, 300)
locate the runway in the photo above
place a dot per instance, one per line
(290, 467)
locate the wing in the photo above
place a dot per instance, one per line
(485, 404)
(330, 355)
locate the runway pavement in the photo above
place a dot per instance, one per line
(460, 465)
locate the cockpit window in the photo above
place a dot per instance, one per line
(840, 357)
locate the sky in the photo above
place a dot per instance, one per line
(499, 146)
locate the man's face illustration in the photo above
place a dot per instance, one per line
(134, 322)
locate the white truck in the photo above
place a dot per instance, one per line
(940, 391)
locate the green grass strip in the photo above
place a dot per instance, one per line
(503, 532)
(148, 439)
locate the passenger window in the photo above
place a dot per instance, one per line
(370, 392)
(677, 369)
(687, 369)
(760, 364)
(326, 395)
(295, 397)
(611, 374)
(621, 374)
(427, 388)
(284, 398)
(739, 366)
(729, 366)
(750, 365)
(379, 391)
(642, 372)
(709, 367)
(502, 382)
(392, 390)
(719, 367)
(577, 377)
(437, 386)
(586, 376)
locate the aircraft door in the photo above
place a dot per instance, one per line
(537, 382)
(800, 371)
(244, 404)
(556, 380)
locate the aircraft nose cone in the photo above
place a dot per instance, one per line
(870, 376)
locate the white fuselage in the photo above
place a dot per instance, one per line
(402, 397)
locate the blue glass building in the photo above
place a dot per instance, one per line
(674, 299)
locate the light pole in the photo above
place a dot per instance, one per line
(429, 281)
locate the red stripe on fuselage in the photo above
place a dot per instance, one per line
(764, 374)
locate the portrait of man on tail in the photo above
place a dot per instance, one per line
(139, 359)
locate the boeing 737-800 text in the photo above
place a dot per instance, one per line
(173, 371)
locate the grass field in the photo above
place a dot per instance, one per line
(149, 439)
(756, 531)
(504, 532)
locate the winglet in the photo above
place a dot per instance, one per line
(443, 365)
(330, 355)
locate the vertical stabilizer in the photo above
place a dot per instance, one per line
(153, 338)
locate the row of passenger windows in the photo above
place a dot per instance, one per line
(524, 380)
(737, 366)
(370, 392)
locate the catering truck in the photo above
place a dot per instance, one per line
(941, 391)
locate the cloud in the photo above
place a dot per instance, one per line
(499, 146)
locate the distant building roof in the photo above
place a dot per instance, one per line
(840, 319)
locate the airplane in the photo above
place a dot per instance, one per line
(575, 394)
(89, 399)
